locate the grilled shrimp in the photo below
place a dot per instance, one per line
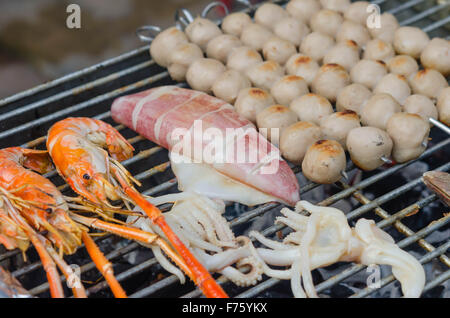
(29, 203)
(78, 149)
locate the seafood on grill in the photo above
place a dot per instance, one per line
(77, 147)
(230, 159)
(199, 223)
(31, 204)
(324, 238)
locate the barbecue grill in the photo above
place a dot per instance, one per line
(394, 196)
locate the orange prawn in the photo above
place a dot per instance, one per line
(86, 153)
(30, 203)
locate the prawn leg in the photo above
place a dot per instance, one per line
(103, 265)
(77, 289)
(200, 275)
(135, 234)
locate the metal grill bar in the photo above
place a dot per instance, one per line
(170, 280)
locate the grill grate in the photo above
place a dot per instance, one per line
(89, 92)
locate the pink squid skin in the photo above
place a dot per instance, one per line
(157, 112)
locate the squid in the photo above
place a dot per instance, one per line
(324, 238)
(198, 222)
(213, 150)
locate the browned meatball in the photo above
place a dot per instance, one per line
(288, 88)
(311, 107)
(324, 162)
(344, 53)
(428, 82)
(265, 74)
(395, 85)
(367, 145)
(436, 55)
(201, 31)
(409, 132)
(378, 110)
(273, 120)
(164, 44)
(410, 40)
(330, 79)
(235, 22)
(302, 65)
(251, 101)
(443, 106)
(316, 45)
(368, 72)
(327, 22)
(297, 138)
(337, 126)
(403, 65)
(353, 97)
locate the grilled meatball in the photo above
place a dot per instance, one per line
(182, 57)
(235, 22)
(272, 120)
(330, 79)
(228, 85)
(408, 132)
(278, 50)
(388, 26)
(368, 72)
(297, 138)
(394, 84)
(403, 65)
(436, 55)
(202, 74)
(255, 35)
(354, 31)
(324, 162)
(220, 47)
(311, 107)
(269, 14)
(291, 29)
(366, 146)
(316, 45)
(420, 105)
(265, 74)
(242, 58)
(251, 101)
(337, 126)
(302, 65)
(303, 9)
(357, 12)
(288, 88)
(201, 31)
(378, 109)
(428, 82)
(377, 49)
(410, 40)
(327, 22)
(336, 5)
(344, 53)
(443, 106)
(353, 97)
(164, 44)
